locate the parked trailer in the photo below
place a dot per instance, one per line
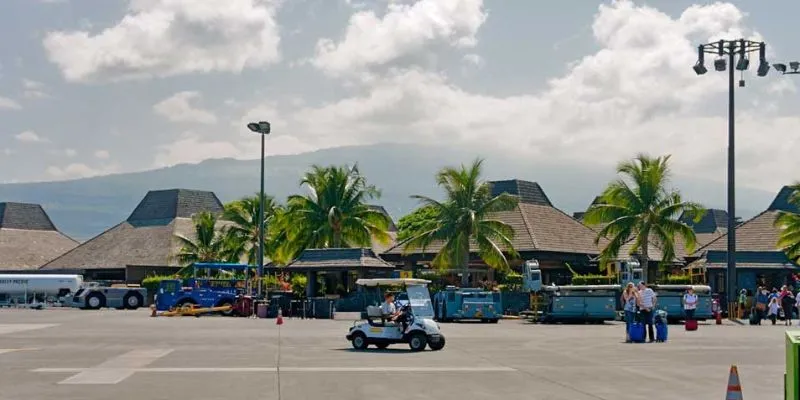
(94, 296)
(22, 288)
(456, 304)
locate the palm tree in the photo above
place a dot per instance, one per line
(466, 216)
(243, 231)
(789, 224)
(638, 206)
(334, 213)
(210, 244)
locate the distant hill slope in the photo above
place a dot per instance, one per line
(85, 207)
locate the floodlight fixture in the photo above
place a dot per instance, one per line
(763, 65)
(261, 127)
(719, 64)
(742, 64)
(699, 67)
(794, 65)
(780, 67)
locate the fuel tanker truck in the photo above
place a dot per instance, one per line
(22, 288)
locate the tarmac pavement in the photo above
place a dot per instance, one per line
(121, 355)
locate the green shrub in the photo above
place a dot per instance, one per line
(299, 283)
(593, 279)
(678, 280)
(151, 283)
(510, 282)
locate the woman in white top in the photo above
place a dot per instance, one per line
(689, 303)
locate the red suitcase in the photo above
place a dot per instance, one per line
(691, 325)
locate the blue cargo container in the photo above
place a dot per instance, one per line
(454, 304)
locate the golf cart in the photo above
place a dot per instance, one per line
(421, 330)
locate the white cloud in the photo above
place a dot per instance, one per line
(9, 104)
(178, 109)
(190, 148)
(102, 154)
(473, 59)
(34, 89)
(70, 152)
(404, 31)
(78, 170)
(159, 38)
(637, 93)
(30, 137)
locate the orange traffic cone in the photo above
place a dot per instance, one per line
(734, 387)
(279, 320)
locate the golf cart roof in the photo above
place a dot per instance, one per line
(391, 282)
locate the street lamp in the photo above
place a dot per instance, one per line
(263, 129)
(732, 48)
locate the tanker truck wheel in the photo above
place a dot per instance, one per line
(132, 301)
(94, 301)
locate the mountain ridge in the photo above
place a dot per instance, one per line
(83, 208)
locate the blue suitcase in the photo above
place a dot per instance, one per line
(636, 332)
(661, 332)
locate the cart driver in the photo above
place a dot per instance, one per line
(390, 312)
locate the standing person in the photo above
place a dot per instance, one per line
(647, 305)
(629, 299)
(773, 310)
(742, 303)
(787, 303)
(762, 300)
(689, 303)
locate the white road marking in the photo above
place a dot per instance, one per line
(273, 369)
(116, 369)
(3, 351)
(13, 328)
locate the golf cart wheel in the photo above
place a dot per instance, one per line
(438, 345)
(418, 341)
(359, 341)
(494, 321)
(382, 346)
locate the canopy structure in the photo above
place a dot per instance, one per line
(392, 282)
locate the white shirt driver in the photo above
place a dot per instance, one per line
(387, 308)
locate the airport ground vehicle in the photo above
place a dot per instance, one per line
(209, 285)
(597, 303)
(454, 304)
(421, 330)
(94, 295)
(23, 288)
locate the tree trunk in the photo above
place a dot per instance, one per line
(465, 267)
(645, 261)
(337, 238)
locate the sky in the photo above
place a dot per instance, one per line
(92, 87)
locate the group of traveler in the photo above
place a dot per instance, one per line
(769, 304)
(640, 301)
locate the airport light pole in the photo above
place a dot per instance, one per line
(732, 48)
(263, 129)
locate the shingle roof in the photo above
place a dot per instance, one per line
(537, 228)
(323, 259)
(782, 203)
(174, 203)
(713, 221)
(528, 192)
(756, 234)
(714, 259)
(25, 216)
(145, 238)
(28, 238)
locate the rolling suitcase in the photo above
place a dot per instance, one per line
(636, 332)
(661, 332)
(691, 325)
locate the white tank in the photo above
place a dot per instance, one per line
(13, 285)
